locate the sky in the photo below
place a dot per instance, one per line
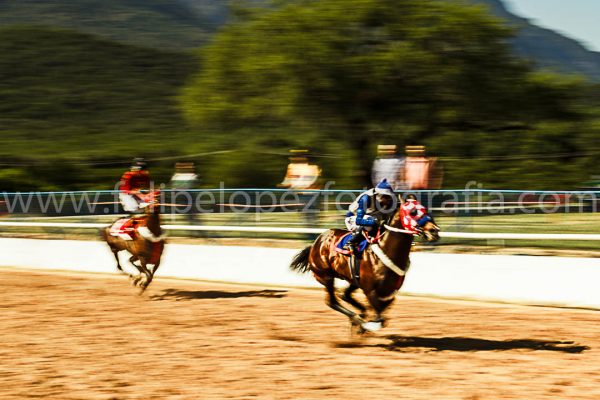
(577, 19)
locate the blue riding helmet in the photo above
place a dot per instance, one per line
(384, 188)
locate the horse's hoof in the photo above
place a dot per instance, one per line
(356, 330)
(138, 280)
(372, 326)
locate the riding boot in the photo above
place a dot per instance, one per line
(355, 239)
(352, 245)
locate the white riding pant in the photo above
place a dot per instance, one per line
(131, 203)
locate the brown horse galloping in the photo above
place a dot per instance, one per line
(146, 246)
(382, 268)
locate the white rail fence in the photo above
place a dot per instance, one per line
(550, 281)
(270, 229)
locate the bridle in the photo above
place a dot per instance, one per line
(380, 253)
(389, 228)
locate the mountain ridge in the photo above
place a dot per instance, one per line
(174, 25)
(186, 24)
(548, 49)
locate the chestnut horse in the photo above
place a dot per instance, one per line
(383, 266)
(145, 248)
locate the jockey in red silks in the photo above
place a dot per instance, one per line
(414, 214)
(133, 182)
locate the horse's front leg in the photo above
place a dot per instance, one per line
(148, 275)
(157, 263)
(155, 268)
(380, 303)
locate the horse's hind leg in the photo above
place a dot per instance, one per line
(119, 266)
(347, 297)
(116, 254)
(333, 302)
(155, 268)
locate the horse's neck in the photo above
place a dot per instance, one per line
(397, 245)
(153, 223)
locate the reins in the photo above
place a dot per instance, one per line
(398, 230)
(380, 233)
(380, 253)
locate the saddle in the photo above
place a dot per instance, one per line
(341, 244)
(355, 257)
(125, 228)
(132, 228)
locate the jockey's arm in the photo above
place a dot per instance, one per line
(362, 219)
(125, 183)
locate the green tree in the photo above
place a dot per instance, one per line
(366, 69)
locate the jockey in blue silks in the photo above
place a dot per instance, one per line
(367, 211)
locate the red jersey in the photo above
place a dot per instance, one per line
(135, 180)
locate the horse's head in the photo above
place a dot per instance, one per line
(429, 231)
(425, 225)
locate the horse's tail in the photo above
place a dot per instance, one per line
(300, 261)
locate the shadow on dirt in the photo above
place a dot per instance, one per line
(402, 343)
(178, 295)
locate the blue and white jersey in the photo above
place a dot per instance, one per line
(362, 207)
(365, 204)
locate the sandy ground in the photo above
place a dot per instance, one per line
(77, 336)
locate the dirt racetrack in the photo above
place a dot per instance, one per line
(77, 336)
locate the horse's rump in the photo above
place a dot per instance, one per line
(326, 249)
(335, 236)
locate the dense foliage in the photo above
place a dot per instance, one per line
(338, 77)
(68, 97)
(412, 72)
